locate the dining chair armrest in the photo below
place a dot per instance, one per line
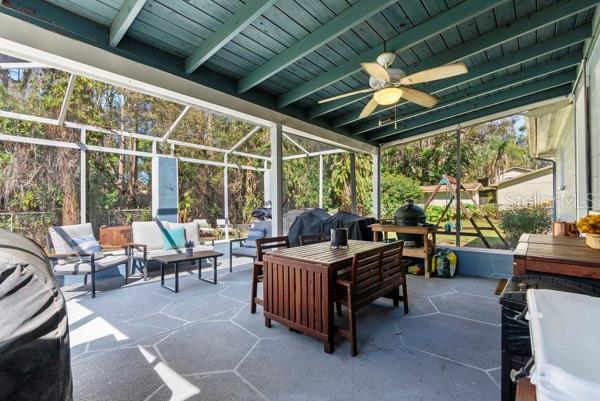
(344, 282)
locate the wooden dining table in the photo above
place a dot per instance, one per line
(298, 286)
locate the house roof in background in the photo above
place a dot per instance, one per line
(521, 169)
(469, 186)
(524, 177)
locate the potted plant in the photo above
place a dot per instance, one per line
(590, 225)
(189, 248)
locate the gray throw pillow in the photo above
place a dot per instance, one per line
(87, 244)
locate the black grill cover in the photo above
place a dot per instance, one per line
(34, 336)
(358, 227)
(307, 222)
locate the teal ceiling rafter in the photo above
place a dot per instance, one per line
(544, 17)
(437, 24)
(490, 100)
(558, 92)
(489, 87)
(510, 60)
(57, 19)
(234, 25)
(345, 21)
(129, 10)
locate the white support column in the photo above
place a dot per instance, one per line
(82, 178)
(377, 184)
(458, 186)
(226, 195)
(276, 180)
(353, 182)
(321, 181)
(266, 183)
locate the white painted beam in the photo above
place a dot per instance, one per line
(377, 184)
(28, 41)
(321, 165)
(19, 65)
(234, 25)
(176, 123)
(244, 139)
(82, 180)
(91, 128)
(127, 14)
(66, 100)
(277, 180)
(353, 183)
(295, 143)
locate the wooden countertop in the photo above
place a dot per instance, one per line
(396, 228)
(552, 240)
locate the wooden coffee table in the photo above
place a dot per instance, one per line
(182, 257)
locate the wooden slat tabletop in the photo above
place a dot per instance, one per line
(322, 252)
(552, 240)
(564, 254)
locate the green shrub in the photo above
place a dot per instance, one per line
(519, 220)
(395, 190)
(492, 211)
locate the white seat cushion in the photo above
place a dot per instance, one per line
(86, 267)
(161, 252)
(191, 231)
(149, 233)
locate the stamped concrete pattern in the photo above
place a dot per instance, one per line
(142, 342)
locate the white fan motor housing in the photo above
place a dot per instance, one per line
(386, 59)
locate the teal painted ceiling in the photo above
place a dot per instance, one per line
(517, 51)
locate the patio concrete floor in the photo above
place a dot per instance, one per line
(144, 342)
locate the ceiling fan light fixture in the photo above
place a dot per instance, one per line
(387, 96)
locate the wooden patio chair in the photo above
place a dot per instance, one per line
(263, 245)
(307, 239)
(376, 273)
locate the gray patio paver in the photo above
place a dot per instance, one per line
(207, 337)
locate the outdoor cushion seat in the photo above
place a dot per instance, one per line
(162, 252)
(148, 240)
(76, 251)
(244, 252)
(247, 246)
(77, 267)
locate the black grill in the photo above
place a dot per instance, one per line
(516, 342)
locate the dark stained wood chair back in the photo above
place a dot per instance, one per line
(308, 239)
(376, 273)
(265, 244)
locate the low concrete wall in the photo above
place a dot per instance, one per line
(490, 263)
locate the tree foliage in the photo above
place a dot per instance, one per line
(486, 150)
(396, 189)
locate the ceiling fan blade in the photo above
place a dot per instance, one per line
(376, 71)
(369, 108)
(433, 74)
(343, 95)
(419, 97)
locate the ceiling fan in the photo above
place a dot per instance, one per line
(390, 84)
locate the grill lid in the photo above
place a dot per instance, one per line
(409, 214)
